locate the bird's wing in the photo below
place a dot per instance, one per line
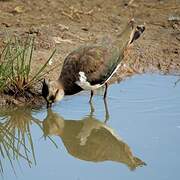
(96, 63)
(99, 63)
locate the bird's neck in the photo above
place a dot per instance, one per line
(124, 37)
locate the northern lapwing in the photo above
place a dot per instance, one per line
(90, 67)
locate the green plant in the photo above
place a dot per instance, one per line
(16, 77)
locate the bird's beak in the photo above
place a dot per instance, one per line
(49, 104)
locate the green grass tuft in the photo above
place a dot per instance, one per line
(16, 77)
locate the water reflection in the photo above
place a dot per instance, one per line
(16, 140)
(90, 139)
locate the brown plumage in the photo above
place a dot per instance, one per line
(90, 67)
(92, 60)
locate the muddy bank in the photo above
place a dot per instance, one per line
(66, 25)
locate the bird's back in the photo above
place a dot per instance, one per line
(97, 63)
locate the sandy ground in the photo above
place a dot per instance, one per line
(67, 24)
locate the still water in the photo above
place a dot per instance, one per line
(135, 135)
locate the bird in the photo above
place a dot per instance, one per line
(90, 67)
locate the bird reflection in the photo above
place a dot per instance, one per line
(90, 139)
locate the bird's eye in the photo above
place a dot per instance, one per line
(141, 28)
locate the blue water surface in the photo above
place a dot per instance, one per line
(144, 112)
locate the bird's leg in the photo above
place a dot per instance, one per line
(92, 93)
(105, 91)
(106, 111)
(92, 108)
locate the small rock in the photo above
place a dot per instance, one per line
(18, 10)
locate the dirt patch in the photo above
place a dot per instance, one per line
(66, 25)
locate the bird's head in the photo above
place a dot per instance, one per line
(52, 91)
(131, 32)
(136, 31)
